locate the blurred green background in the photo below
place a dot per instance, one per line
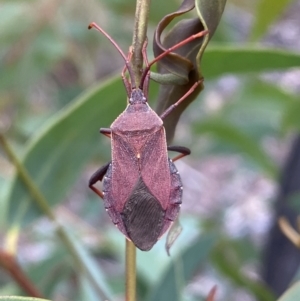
(59, 83)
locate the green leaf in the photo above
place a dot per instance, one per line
(182, 269)
(210, 13)
(58, 269)
(292, 294)
(41, 54)
(86, 291)
(184, 62)
(230, 134)
(258, 108)
(221, 59)
(100, 288)
(56, 155)
(181, 61)
(19, 298)
(186, 59)
(266, 13)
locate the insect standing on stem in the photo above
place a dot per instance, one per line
(142, 189)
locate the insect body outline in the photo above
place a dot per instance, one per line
(142, 188)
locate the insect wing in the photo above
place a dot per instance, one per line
(125, 171)
(155, 167)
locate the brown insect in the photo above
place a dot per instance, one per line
(142, 189)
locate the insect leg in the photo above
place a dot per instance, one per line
(106, 132)
(176, 46)
(98, 176)
(180, 149)
(173, 106)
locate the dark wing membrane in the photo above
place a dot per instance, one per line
(155, 167)
(125, 171)
(143, 217)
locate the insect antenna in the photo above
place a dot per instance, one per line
(176, 46)
(126, 60)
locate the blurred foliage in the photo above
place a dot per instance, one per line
(57, 89)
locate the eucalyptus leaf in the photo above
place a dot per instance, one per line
(58, 152)
(86, 291)
(58, 269)
(184, 62)
(210, 13)
(220, 59)
(101, 288)
(180, 61)
(186, 58)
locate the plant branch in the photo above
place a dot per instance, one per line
(9, 263)
(138, 41)
(130, 271)
(42, 203)
(139, 37)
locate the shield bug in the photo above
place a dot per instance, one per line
(142, 188)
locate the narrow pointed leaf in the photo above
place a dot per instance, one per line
(232, 59)
(210, 13)
(56, 155)
(184, 63)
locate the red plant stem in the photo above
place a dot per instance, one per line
(8, 262)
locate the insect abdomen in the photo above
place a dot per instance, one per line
(175, 198)
(142, 219)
